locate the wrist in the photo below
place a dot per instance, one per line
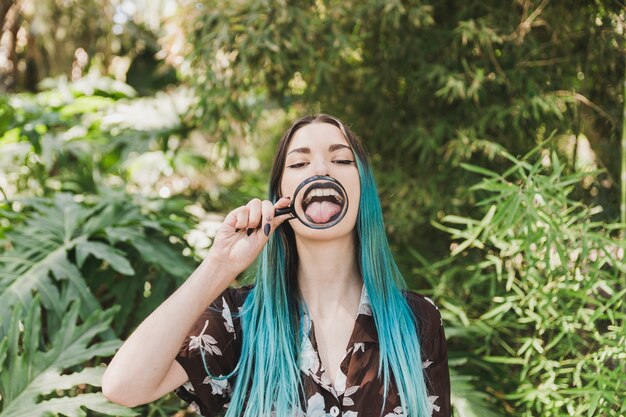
(218, 268)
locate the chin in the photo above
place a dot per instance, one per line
(340, 230)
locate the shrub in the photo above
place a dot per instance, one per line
(534, 293)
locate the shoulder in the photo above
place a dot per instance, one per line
(425, 310)
(421, 303)
(231, 299)
(235, 295)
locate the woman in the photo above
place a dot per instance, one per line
(329, 327)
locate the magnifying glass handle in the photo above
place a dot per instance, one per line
(281, 211)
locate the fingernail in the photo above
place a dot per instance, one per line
(237, 230)
(266, 229)
(249, 231)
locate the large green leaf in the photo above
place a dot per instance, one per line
(40, 252)
(66, 245)
(152, 251)
(34, 366)
(114, 257)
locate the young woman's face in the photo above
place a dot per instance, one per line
(321, 149)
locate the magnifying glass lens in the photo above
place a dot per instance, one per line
(319, 202)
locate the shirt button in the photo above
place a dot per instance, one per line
(334, 411)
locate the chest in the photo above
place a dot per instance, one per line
(332, 338)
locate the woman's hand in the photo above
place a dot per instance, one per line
(244, 233)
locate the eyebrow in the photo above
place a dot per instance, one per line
(331, 148)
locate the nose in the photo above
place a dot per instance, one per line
(320, 166)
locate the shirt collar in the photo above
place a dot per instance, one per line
(364, 327)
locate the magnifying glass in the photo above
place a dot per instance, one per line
(319, 202)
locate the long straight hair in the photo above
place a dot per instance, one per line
(268, 380)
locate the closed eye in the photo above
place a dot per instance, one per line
(298, 165)
(301, 164)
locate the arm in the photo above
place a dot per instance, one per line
(144, 368)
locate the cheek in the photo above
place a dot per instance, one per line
(287, 187)
(355, 201)
(354, 195)
(355, 188)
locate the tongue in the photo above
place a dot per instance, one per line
(321, 211)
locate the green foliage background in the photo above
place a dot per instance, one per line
(493, 128)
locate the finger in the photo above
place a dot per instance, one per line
(254, 214)
(282, 203)
(242, 218)
(268, 217)
(231, 218)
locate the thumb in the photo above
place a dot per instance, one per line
(283, 202)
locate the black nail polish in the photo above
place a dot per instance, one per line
(249, 231)
(237, 230)
(266, 229)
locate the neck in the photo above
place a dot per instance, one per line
(328, 274)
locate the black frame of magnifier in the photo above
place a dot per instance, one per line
(291, 209)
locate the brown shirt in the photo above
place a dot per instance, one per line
(356, 392)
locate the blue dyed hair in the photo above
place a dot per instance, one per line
(268, 380)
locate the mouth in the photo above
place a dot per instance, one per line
(323, 203)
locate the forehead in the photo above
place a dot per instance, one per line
(317, 135)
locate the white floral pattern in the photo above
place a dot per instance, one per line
(218, 386)
(347, 401)
(432, 406)
(316, 406)
(340, 382)
(397, 412)
(228, 319)
(436, 308)
(205, 342)
(309, 360)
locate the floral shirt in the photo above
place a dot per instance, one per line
(356, 392)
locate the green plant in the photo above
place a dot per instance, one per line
(39, 360)
(68, 231)
(86, 248)
(428, 85)
(532, 292)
